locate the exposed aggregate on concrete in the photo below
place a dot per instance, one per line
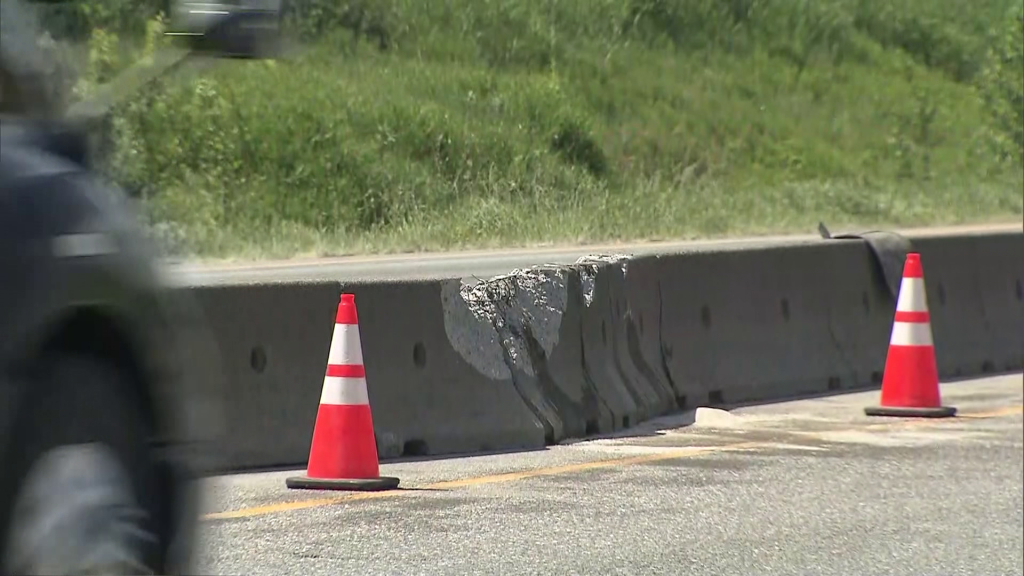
(588, 266)
(517, 318)
(524, 308)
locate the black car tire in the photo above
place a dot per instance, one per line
(100, 507)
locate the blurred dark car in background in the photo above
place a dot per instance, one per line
(109, 394)
(230, 28)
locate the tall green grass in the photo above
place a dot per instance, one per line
(498, 122)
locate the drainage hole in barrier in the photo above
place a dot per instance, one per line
(987, 367)
(258, 359)
(549, 436)
(681, 402)
(592, 427)
(1020, 291)
(942, 294)
(876, 377)
(715, 398)
(415, 448)
(785, 310)
(419, 355)
(625, 421)
(705, 316)
(834, 383)
(866, 301)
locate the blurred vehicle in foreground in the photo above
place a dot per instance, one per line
(108, 389)
(247, 29)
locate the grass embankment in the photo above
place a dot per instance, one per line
(496, 122)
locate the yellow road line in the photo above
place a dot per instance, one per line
(480, 480)
(302, 504)
(596, 464)
(566, 469)
(998, 413)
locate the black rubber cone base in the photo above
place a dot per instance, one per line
(356, 485)
(907, 412)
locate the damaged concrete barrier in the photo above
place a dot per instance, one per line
(273, 340)
(599, 358)
(427, 397)
(604, 283)
(536, 315)
(571, 340)
(557, 352)
(641, 325)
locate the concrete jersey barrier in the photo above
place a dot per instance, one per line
(557, 352)
(273, 341)
(426, 398)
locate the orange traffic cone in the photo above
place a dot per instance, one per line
(343, 454)
(910, 385)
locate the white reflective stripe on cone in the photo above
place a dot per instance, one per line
(911, 334)
(912, 296)
(346, 349)
(344, 391)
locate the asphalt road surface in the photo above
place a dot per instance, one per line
(803, 487)
(474, 264)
